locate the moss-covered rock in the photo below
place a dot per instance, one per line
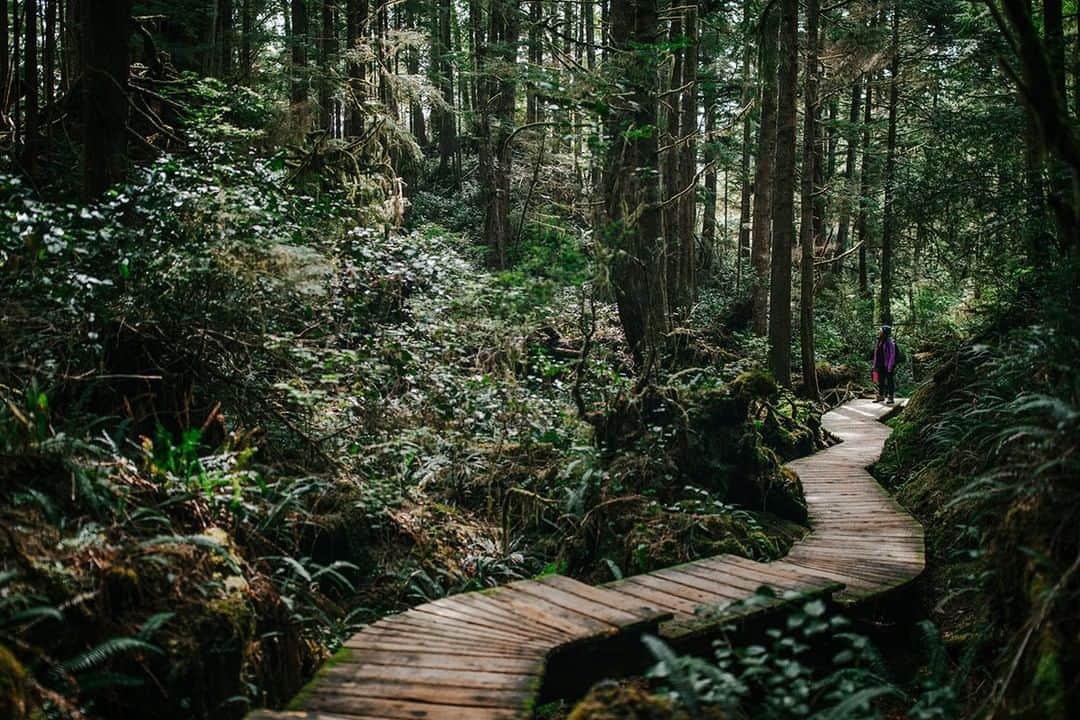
(612, 701)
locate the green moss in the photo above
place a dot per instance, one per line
(233, 616)
(532, 692)
(1049, 685)
(121, 588)
(344, 655)
(754, 384)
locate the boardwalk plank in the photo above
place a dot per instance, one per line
(482, 655)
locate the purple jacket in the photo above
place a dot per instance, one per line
(885, 355)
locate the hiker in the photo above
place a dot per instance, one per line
(885, 358)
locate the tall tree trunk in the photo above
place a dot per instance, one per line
(745, 182)
(227, 32)
(497, 123)
(476, 43)
(630, 182)
(595, 161)
(49, 61)
(809, 192)
(708, 211)
(15, 91)
(851, 154)
(16, 60)
(889, 230)
(299, 40)
(70, 53)
(1076, 67)
(247, 32)
(30, 87)
(356, 18)
(764, 171)
(1062, 190)
(536, 60)
(783, 200)
(688, 127)
(209, 50)
(417, 122)
(382, 67)
(1047, 106)
(1053, 20)
(670, 215)
(106, 27)
(445, 82)
(577, 29)
(862, 222)
(327, 51)
(5, 58)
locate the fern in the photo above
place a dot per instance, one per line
(38, 613)
(102, 653)
(199, 541)
(294, 565)
(153, 624)
(858, 701)
(674, 671)
(103, 680)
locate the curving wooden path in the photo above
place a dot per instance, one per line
(484, 655)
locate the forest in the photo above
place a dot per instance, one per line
(525, 358)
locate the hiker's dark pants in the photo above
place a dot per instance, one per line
(886, 383)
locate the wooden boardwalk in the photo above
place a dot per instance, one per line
(484, 655)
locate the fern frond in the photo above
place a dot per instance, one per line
(676, 674)
(110, 648)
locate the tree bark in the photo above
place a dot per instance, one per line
(417, 122)
(247, 32)
(1062, 190)
(1051, 116)
(862, 223)
(106, 27)
(688, 126)
(5, 58)
(497, 124)
(227, 32)
(889, 231)
(49, 61)
(30, 88)
(16, 89)
(356, 18)
(708, 211)
(742, 252)
(536, 60)
(808, 229)
(1076, 67)
(299, 71)
(447, 127)
(670, 215)
(851, 139)
(783, 200)
(764, 171)
(327, 51)
(630, 182)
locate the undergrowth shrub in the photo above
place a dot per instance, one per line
(987, 455)
(812, 665)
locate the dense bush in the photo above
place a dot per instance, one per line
(813, 665)
(234, 424)
(994, 478)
